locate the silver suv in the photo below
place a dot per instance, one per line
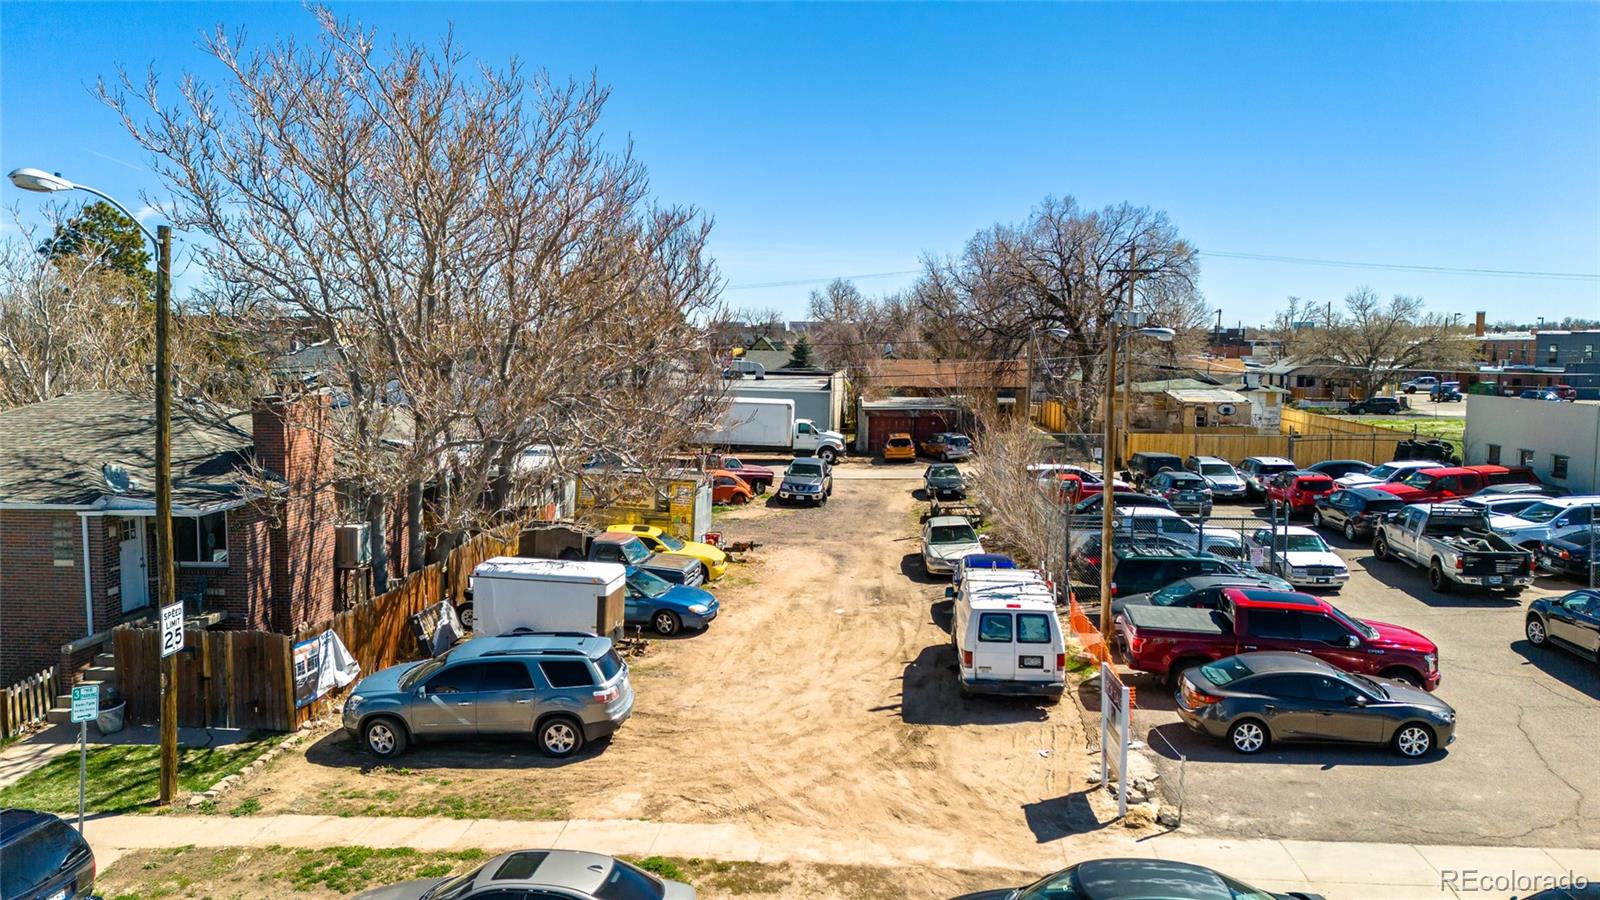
(563, 689)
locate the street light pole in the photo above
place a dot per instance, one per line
(39, 181)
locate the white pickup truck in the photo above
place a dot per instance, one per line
(1454, 543)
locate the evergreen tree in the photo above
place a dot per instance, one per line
(102, 232)
(800, 355)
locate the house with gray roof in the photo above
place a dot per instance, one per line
(252, 532)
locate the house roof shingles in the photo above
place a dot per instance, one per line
(55, 453)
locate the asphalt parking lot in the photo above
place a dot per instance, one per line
(1521, 771)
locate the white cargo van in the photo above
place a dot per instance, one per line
(514, 593)
(1007, 635)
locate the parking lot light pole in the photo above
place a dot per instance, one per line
(40, 181)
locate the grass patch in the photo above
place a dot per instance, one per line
(274, 871)
(660, 865)
(127, 777)
(388, 801)
(249, 807)
(1449, 429)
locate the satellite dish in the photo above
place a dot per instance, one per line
(116, 478)
(1225, 409)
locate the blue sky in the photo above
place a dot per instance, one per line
(847, 139)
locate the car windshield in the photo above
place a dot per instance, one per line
(943, 472)
(899, 442)
(649, 584)
(1316, 484)
(1302, 543)
(634, 551)
(671, 543)
(421, 671)
(1171, 594)
(1541, 512)
(1226, 671)
(609, 664)
(1189, 481)
(953, 534)
(1382, 473)
(1370, 685)
(958, 440)
(1419, 478)
(810, 470)
(1216, 469)
(1360, 628)
(1274, 468)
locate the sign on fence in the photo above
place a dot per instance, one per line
(321, 664)
(1114, 724)
(85, 703)
(171, 629)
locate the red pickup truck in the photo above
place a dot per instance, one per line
(1166, 641)
(1455, 482)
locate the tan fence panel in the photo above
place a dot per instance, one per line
(25, 704)
(1319, 437)
(1231, 447)
(226, 679)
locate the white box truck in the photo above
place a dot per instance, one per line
(514, 593)
(763, 423)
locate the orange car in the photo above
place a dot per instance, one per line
(727, 487)
(900, 448)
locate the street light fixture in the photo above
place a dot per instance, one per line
(42, 182)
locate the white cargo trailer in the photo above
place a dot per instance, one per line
(512, 593)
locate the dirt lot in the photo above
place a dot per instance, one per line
(823, 696)
(1520, 772)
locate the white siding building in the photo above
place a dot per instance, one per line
(1560, 441)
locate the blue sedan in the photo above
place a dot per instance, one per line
(664, 607)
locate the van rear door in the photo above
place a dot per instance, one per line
(1038, 637)
(994, 653)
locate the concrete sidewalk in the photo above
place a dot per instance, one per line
(1339, 871)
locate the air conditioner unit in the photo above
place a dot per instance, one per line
(351, 549)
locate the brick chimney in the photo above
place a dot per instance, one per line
(292, 443)
(1478, 328)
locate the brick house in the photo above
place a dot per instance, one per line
(77, 507)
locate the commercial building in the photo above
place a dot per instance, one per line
(1560, 441)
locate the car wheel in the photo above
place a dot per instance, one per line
(1349, 531)
(1403, 675)
(1248, 736)
(1413, 740)
(1535, 631)
(1437, 579)
(1513, 593)
(828, 455)
(384, 737)
(1380, 547)
(560, 737)
(666, 622)
(1316, 518)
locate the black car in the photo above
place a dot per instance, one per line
(1135, 879)
(1354, 511)
(1570, 554)
(1572, 622)
(1201, 591)
(42, 857)
(1339, 468)
(1144, 466)
(1254, 699)
(1149, 564)
(1379, 405)
(1087, 511)
(943, 481)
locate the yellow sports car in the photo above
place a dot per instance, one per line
(714, 560)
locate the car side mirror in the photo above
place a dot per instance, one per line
(422, 690)
(950, 592)
(1352, 641)
(1355, 700)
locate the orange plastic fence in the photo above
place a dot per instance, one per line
(1088, 635)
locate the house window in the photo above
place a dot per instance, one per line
(62, 545)
(1552, 357)
(1524, 457)
(201, 541)
(1558, 466)
(1494, 454)
(1588, 352)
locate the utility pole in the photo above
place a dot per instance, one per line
(166, 589)
(1027, 390)
(1107, 561)
(1132, 318)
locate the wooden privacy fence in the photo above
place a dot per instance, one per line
(1231, 447)
(1319, 437)
(463, 559)
(25, 704)
(226, 679)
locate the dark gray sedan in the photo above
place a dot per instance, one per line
(540, 873)
(1253, 699)
(1135, 879)
(943, 481)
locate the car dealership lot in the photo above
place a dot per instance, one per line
(1521, 770)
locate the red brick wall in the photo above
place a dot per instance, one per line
(41, 604)
(290, 441)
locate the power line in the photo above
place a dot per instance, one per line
(1404, 267)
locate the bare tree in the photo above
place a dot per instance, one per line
(68, 321)
(1370, 341)
(483, 273)
(1063, 268)
(1028, 522)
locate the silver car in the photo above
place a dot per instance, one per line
(563, 689)
(526, 874)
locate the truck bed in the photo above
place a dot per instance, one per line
(1188, 621)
